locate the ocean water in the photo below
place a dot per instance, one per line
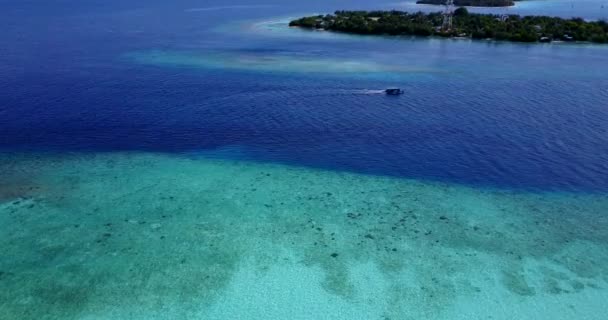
(201, 160)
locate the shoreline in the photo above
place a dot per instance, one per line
(557, 42)
(462, 24)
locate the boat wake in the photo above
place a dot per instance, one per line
(369, 92)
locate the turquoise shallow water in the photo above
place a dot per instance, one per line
(148, 236)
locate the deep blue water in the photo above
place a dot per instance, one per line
(487, 114)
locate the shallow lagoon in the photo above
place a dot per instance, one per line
(162, 161)
(146, 236)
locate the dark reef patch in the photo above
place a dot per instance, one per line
(516, 283)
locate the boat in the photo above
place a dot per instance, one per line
(393, 91)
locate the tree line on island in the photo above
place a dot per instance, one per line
(465, 24)
(472, 3)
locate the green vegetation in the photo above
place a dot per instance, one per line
(472, 3)
(465, 24)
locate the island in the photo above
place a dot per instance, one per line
(472, 3)
(464, 25)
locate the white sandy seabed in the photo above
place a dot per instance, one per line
(146, 236)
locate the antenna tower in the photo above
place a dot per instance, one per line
(448, 13)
